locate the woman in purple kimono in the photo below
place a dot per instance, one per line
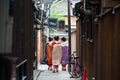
(64, 47)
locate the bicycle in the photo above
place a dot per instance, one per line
(74, 67)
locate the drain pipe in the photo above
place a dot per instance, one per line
(86, 11)
(81, 51)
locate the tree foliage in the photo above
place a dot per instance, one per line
(55, 11)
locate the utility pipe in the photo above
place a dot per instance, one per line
(86, 11)
(69, 30)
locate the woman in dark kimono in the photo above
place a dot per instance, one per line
(64, 46)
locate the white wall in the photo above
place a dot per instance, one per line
(73, 41)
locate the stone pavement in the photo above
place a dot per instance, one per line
(43, 74)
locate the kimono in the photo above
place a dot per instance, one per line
(64, 54)
(49, 48)
(56, 54)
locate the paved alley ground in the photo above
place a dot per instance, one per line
(43, 74)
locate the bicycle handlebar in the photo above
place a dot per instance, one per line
(75, 57)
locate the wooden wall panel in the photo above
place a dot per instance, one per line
(84, 50)
(96, 56)
(109, 44)
(84, 44)
(78, 36)
(116, 47)
(23, 37)
(106, 42)
(90, 63)
(109, 3)
(101, 56)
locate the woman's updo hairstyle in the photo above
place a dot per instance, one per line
(50, 38)
(56, 38)
(63, 39)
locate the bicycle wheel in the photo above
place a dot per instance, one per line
(74, 70)
(78, 70)
(70, 68)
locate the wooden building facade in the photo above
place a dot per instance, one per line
(17, 35)
(99, 41)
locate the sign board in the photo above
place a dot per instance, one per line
(53, 22)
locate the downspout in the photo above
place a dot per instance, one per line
(69, 33)
(81, 51)
(86, 11)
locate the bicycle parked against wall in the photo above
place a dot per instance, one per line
(74, 67)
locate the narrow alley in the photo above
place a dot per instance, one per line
(91, 29)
